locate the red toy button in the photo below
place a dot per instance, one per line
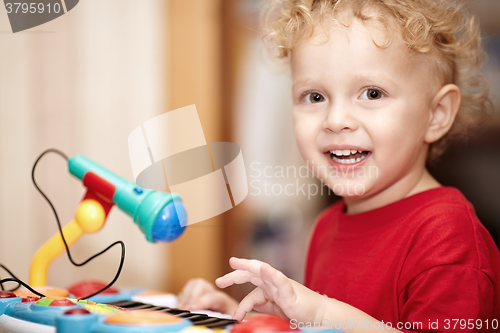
(88, 287)
(263, 324)
(62, 302)
(29, 299)
(7, 294)
(77, 311)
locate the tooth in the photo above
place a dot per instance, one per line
(352, 160)
(358, 159)
(353, 151)
(360, 151)
(346, 152)
(338, 152)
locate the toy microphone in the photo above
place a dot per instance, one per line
(161, 216)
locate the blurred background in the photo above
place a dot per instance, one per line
(83, 82)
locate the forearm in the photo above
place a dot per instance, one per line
(349, 319)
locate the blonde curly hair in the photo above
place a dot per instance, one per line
(443, 29)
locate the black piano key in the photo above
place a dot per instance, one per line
(221, 323)
(195, 317)
(157, 308)
(204, 322)
(175, 312)
(184, 315)
(125, 304)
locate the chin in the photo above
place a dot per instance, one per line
(348, 188)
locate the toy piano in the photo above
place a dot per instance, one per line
(124, 310)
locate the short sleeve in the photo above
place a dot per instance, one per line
(437, 296)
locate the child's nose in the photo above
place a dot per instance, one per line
(339, 118)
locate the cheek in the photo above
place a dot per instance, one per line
(399, 135)
(304, 130)
(403, 124)
(303, 143)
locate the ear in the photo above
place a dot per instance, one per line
(444, 109)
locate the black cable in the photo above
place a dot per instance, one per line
(122, 259)
(24, 284)
(13, 276)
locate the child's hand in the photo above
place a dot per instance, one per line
(199, 294)
(275, 293)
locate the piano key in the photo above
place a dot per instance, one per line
(221, 323)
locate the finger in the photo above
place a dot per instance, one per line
(205, 302)
(278, 284)
(238, 277)
(272, 275)
(258, 267)
(269, 307)
(183, 296)
(193, 289)
(201, 287)
(188, 287)
(260, 274)
(254, 299)
(259, 301)
(251, 265)
(216, 301)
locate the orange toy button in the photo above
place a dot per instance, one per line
(152, 293)
(49, 292)
(142, 317)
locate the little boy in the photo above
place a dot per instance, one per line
(379, 87)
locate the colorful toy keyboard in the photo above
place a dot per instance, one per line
(27, 314)
(69, 315)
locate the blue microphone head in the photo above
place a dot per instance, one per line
(170, 223)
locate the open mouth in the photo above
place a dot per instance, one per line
(348, 156)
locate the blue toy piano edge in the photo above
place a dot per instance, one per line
(94, 323)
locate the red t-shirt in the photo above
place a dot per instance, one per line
(423, 259)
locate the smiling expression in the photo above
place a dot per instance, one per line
(361, 112)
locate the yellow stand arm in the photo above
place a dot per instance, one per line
(89, 218)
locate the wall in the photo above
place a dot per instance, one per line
(79, 83)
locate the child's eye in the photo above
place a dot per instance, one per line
(372, 94)
(313, 97)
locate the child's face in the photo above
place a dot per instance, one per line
(349, 96)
